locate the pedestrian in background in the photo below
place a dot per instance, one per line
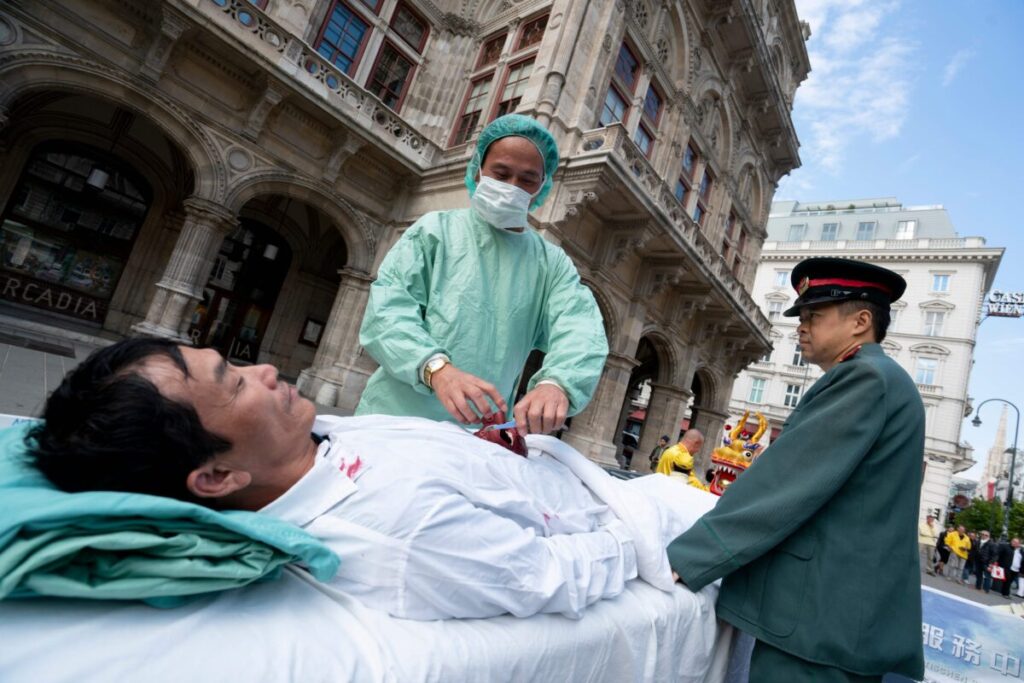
(959, 545)
(970, 562)
(927, 535)
(943, 550)
(984, 556)
(658, 450)
(1009, 556)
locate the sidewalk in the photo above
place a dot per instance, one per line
(34, 358)
(990, 599)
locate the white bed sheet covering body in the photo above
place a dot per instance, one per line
(297, 629)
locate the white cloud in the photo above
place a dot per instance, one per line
(955, 65)
(859, 86)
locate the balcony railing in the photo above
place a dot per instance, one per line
(879, 245)
(615, 139)
(930, 389)
(302, 65)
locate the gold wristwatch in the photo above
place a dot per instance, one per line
(434, 365)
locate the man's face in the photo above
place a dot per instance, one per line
(266, 420)
(516, 161)
(1015, 542)
(961, 530)
(931, 520)
(693, 445)
(984, 535)
(825, 333)
(663, 442)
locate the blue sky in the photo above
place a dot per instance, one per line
(923, 100)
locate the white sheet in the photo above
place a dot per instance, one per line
(299, 630)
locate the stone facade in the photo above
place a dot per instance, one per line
(261, 157)
(934, 325)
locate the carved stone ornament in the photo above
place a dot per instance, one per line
(459, 25)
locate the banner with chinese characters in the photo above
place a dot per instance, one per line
(967, 642)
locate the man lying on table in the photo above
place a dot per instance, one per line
(430, 521)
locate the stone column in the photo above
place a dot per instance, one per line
(341, 368)
(204, 227)
(593, 430)
(710, 423)
(665, 413)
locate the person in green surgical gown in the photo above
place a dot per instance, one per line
(465, 295)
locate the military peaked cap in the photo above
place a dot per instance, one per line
(829, 280)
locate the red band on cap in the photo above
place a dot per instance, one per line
(848, 283)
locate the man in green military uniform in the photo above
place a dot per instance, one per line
(465, 295)
(817, 541)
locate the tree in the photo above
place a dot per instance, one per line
(984, 514)
(1017, 520)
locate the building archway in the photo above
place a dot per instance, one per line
(272, 284)
(68, 230)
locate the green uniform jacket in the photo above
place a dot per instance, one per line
(485, 297)
(817, 540)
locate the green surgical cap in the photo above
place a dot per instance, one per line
(524, 127)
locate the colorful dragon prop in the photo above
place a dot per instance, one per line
(738, 450)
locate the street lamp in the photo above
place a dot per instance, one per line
(1013, 459)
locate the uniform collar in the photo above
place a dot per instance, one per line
(320, 489)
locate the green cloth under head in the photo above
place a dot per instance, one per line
(519, 126)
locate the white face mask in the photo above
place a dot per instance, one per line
(501, 204)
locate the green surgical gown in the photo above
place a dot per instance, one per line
(486, 298)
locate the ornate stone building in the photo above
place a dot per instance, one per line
(933, 328)
(231, 172)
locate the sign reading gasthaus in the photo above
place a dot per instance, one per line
(1006, 304)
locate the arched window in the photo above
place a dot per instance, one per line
(69, 229)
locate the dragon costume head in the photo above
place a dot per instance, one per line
(738, 450)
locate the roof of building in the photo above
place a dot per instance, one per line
(844, 216)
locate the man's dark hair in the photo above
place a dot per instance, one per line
(879, 315)
(108, 428)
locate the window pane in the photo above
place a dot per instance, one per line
(705, 185)
(390, 77)
(905, 230)
(614, 107)
(730, 225)
(689, 160)
(474, 108)
(866, 231)
(410, 27)
(515, 84)
(829, 232)
(933, 323)
(626, 67)
(698, 214)
(681, 191)
(652, 104)
(926, 370)
(796, 232)
(940, 283)
(792, 395)
(532, 33)
(781, 278)
(798, 356)
(491, 50)
(774, 310)
(757, 390)
(342, 37)
(643, 140)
